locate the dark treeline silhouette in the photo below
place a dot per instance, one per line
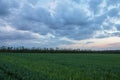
(54, 50)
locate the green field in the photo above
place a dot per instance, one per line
(59, 66)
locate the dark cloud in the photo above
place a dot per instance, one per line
(4, 8)
(7, 7)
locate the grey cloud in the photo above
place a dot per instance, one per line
(9, 33)
(70, 18)
(118, 27)
(4, 8)
(90, 42)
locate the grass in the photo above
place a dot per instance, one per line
(59, 66)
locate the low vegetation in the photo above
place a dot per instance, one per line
(59, 66)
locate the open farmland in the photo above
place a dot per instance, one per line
(29, 66)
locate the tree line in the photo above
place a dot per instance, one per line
(22, 49)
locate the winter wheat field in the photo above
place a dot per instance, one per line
(29, 66)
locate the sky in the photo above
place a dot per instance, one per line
(76, 24)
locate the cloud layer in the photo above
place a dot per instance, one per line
(58, 21)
